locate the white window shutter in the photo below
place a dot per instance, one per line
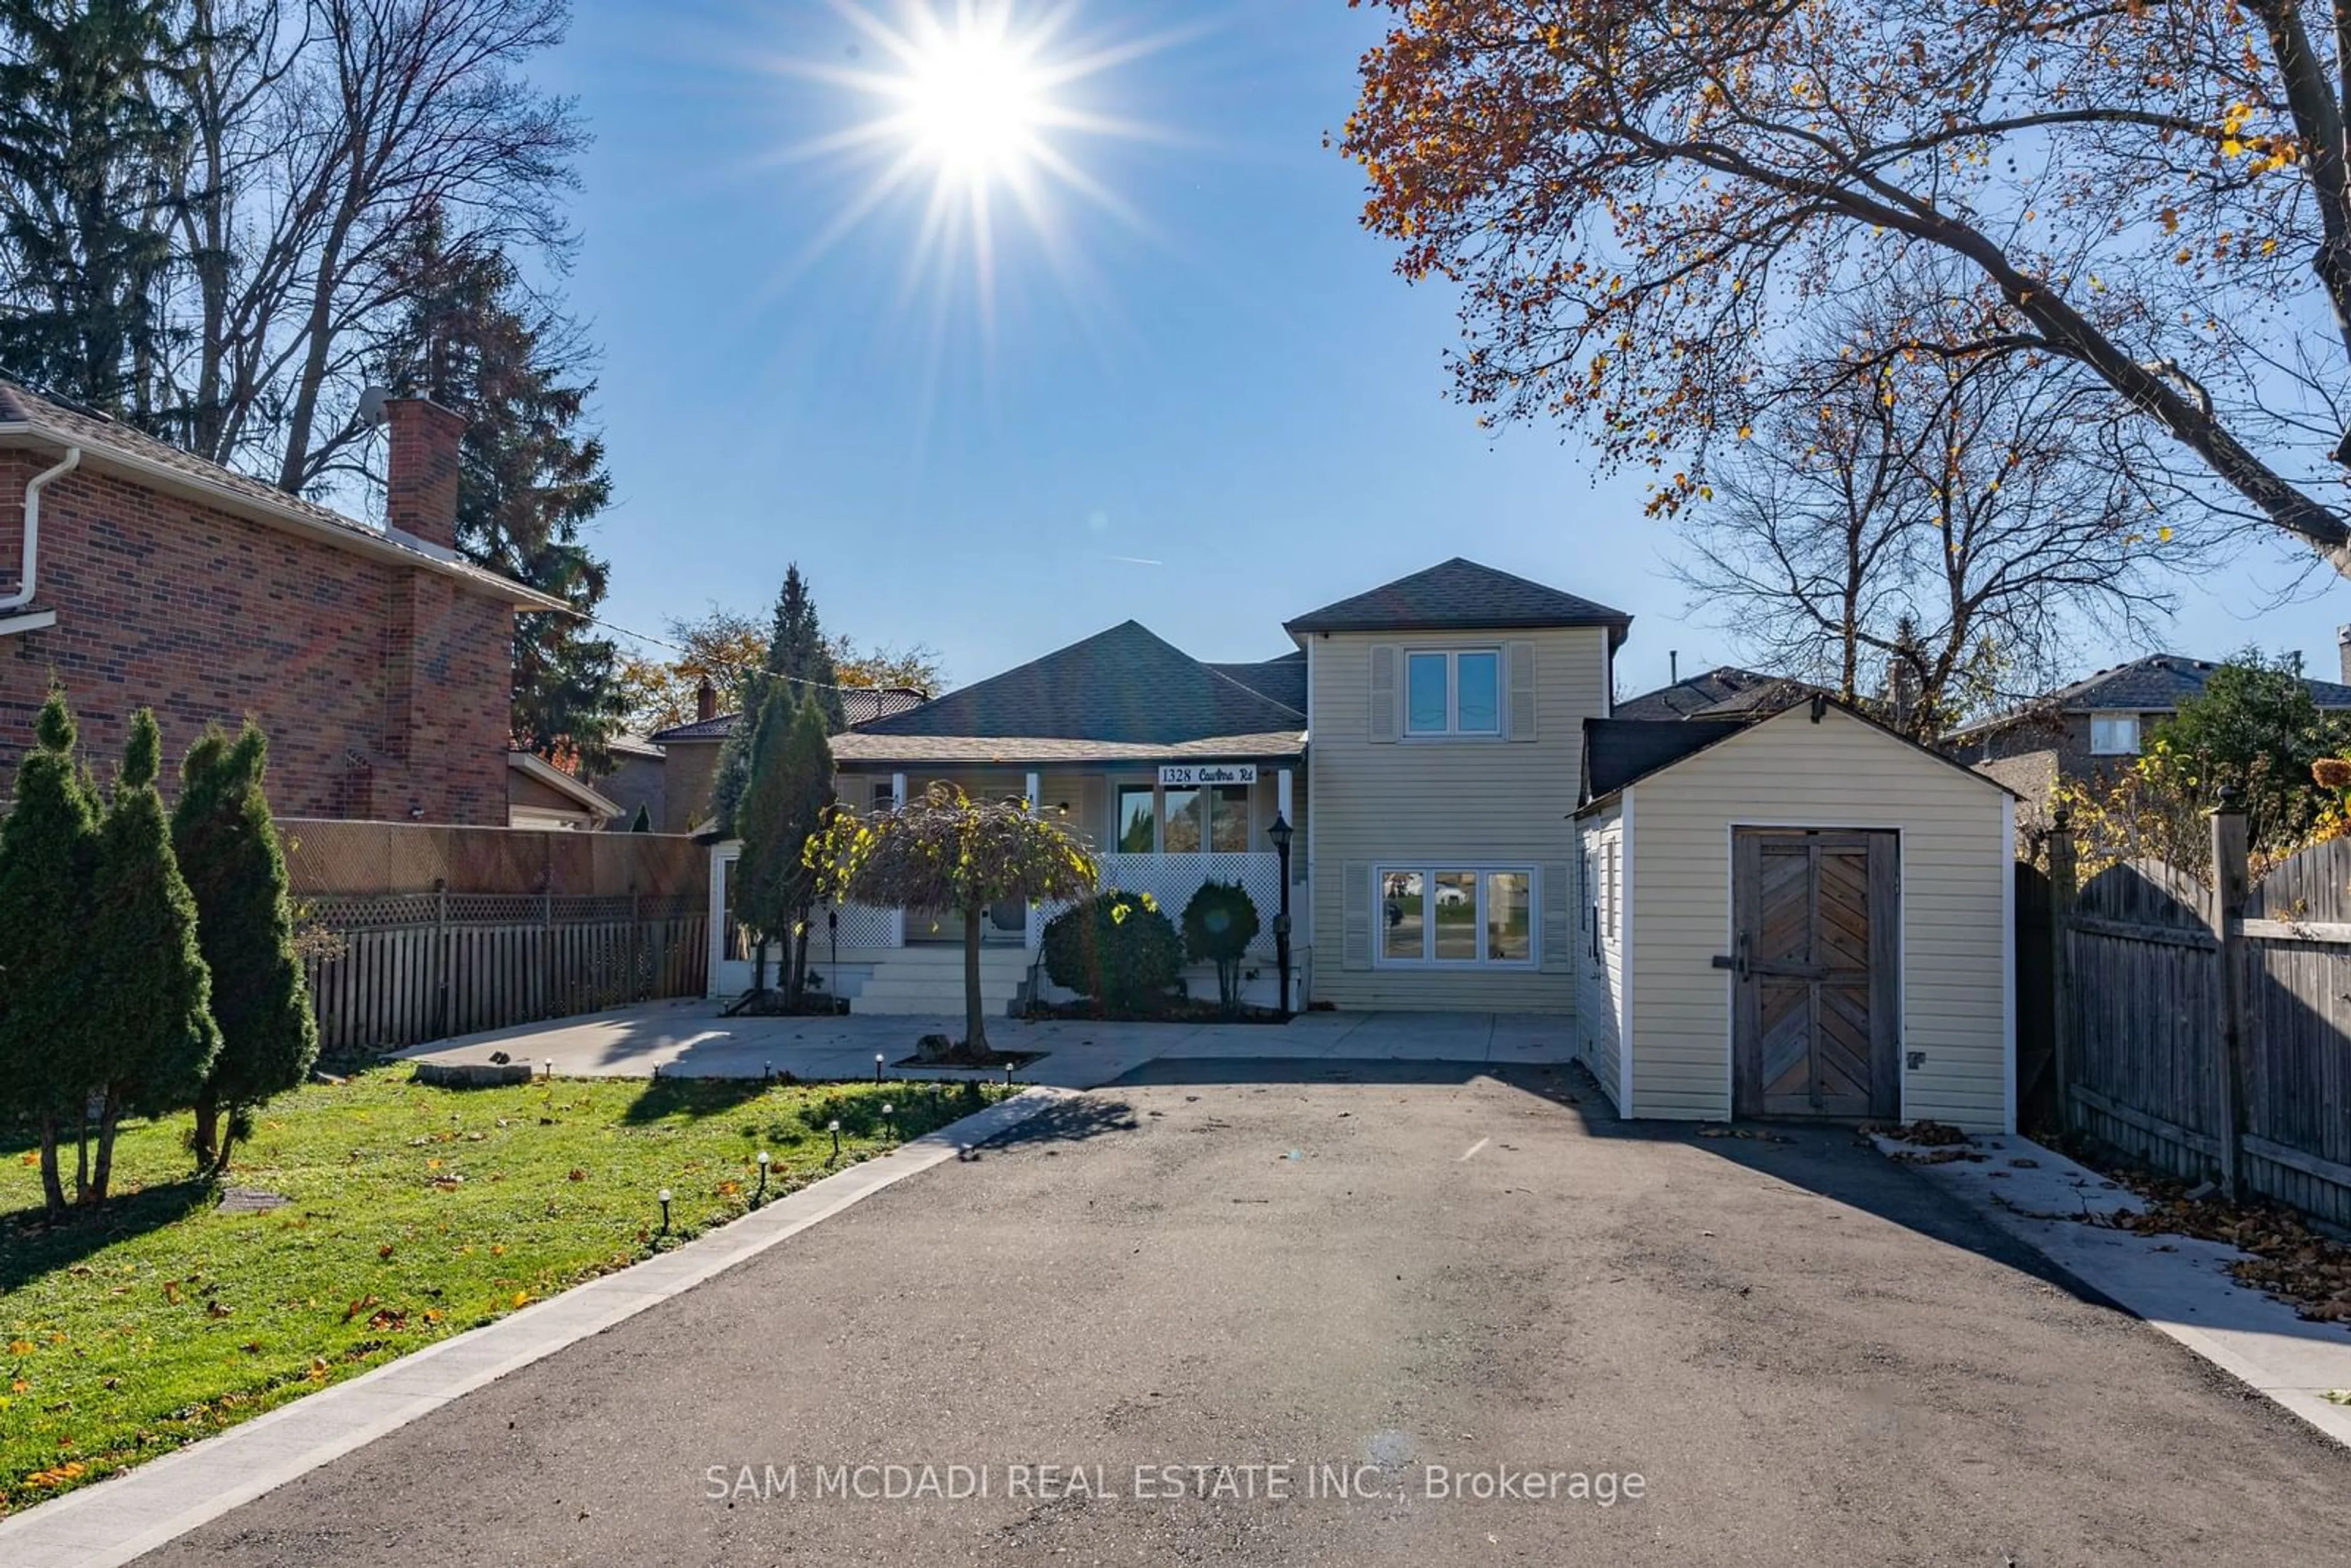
(1558, 925)
(1355, 943)
(1521, 663)
(1383, 711)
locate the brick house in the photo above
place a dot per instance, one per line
(380, 661)
(2094, 730)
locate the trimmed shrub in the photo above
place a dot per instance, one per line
(1116, 948)
(1220, 923)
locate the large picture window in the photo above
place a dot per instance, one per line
(1179, 822)
(1453, 691)
(1455, 917)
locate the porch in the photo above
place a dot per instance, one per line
(910, 961)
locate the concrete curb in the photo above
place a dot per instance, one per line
(118, 1518)
(2177, 1285)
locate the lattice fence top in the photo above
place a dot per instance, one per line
(424, 910)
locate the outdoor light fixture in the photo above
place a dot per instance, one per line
(886, 1108)
(877, 1067)
(663, 1196)
(833, 1127)
(767, 1073)
(548, 1063)
(763, 1178)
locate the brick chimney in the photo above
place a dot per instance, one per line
(705, 700)
(2342, 652)
(420, 475)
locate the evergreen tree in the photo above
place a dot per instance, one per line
(49, 850)
(88, 137)
(530, 477)
(150, 1026)
(799, 659)
(643, 823)
(229, 855)
(785, 805)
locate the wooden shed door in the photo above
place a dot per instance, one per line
(1816, 1020)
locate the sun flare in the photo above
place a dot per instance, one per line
(976, 103)
(978, 108)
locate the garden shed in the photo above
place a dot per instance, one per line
(1808, 915)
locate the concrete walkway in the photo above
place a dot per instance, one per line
(690, 1039)
(2180, 1285)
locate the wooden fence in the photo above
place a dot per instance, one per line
(2207, 1030)
(405, 968)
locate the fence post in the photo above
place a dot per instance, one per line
(440, 957)
(2061, 890)
(636, 990)
(2227, 913)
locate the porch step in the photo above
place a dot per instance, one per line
(928, 980)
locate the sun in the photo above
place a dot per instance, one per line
(974, 114)
(976, 102)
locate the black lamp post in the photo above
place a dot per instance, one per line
(1281, 834)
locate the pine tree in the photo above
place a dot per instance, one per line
(784, 806)
(150, 1025)
(49, 850)
(799, 659)
(228, 853)
(88, 137)
(531, 476)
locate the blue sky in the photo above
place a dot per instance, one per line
(1226, 378)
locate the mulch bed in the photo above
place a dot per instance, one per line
(960, 1057)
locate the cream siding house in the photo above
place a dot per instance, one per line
(1814, 916)
(1445, 712)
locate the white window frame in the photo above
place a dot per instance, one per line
(1429, 872)
(1453, 730)
(1120, 787)
(2131, 720)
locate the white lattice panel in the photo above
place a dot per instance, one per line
(1174, 879)
(863, 925)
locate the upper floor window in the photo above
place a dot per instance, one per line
(2114, 734)
(1453, 691)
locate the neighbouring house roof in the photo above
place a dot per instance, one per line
(2157, 684)
(1125, 686)
(633, 745)
(538, 769)
(1649, 747)
(1692, 696)
(859, 704)
(106, 442)
(1282, 679)
(1461, 595)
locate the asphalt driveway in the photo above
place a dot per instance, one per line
(1351, 1278)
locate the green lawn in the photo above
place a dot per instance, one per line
(415, 1213)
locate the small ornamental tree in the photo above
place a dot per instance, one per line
(1117, 947)
(643, 820)
(1220, 923)
(49, 850)
(150, 1024)
(947, 852)
(229, 855)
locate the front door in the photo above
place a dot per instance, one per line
(1817, 1000)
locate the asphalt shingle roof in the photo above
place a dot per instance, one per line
(1692, 695)
(1126, 684)
(1282, 679)
(859, 704)
(1461, 595)
(98, 435)
(2157, 684)
(1616, 751)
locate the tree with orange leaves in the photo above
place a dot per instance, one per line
(1640, 197)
